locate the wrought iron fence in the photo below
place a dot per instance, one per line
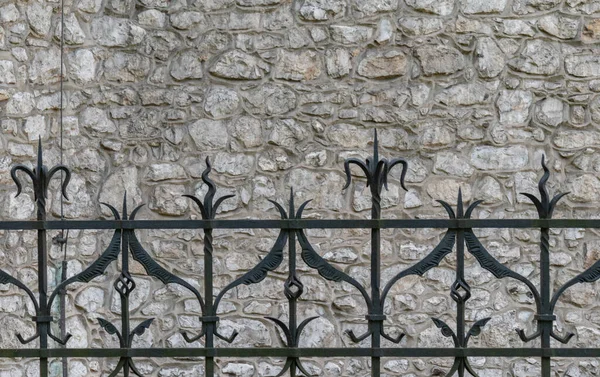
(459, 233)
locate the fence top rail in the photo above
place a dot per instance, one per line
(292, 224)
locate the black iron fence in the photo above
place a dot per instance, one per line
(292, 226)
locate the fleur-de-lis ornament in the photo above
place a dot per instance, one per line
(40, 177)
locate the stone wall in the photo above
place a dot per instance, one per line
(277, 93)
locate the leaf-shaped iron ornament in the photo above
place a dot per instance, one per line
(545, 308)
(209, 318)
(40, 177)
(376, 170)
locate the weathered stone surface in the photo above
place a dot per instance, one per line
(209, 134)
(7, 72)
(591, 31)
(296, 66)
(495, 158)
(74, 34)
(583, 6)
(513, 106)
(452, 164)
(236, 64)
(82, 66)
(439, 60)
(583, 65)
(349, 35)
(482, 6)
(439, 7)
(538, 57)
(550, 112)
(382, 64)
(270, 99)
(126, 67)
(530, 6)
(9, 13)
(113, 32)
(559, 26)
(414, 26)
(188, 20)
(39, 17)
(576, 139)
(187, 66)
(152, 18)
(376, 6)
(322, 10)
(21, 103)
(97, 121)
(338, 62)
(464, 94)
(490, 60)
(221, 102)
(45, 66)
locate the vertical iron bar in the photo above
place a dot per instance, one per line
(125, 297)
(460, 276)
(546, 322)
(292, 298)
(62, 322)
(375, 326)
(43, 293)
(209, 362)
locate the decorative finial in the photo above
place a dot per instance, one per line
(545, 207)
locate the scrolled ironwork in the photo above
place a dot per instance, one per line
(459, 237)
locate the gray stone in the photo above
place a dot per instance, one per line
(349, 35)
(96, 120)
(576, 139)
(91, 299)
(416, 26)
(517, 27)
(258, 3)
(447, 190)
(434, 134)
(116, 32)
(211, 5)
(583, 6)
(209, 134)
(452, 164)
(82, 66)
(45, 66)
(513, 106)
(152, 18)
(165, 171)
(270, 99)
(322, 10)
(39, 17)
(188, 20)
(383, 64)
(7, 72)
(464, 94)
(9, 13)
(338, 62)
(248, 131)
(439, 7)
(35, 127)
(21, 103)
(238, 369)
(74, 34)
(530, 6)
(499, 158)
(482, 6)
(167, 200)
(234, 164)
(385, 31)
(538, 57)
(585, 189)
(125, 67)
(221, 102)
(583, 65)
(489, 190)
(285, 132)
(236, 64)
(490, 60)
(187, 65)
(369, 8)
(550, 112)
(298, 66)
(89, 6)
(559, 26)
(439, 60)
(348, 135)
